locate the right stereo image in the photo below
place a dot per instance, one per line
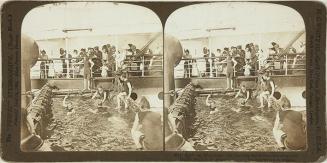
(235, 78)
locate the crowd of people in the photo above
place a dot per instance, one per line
(246, 61)
(102, 62)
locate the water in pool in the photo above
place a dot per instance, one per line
(84, 131)
(236, 128)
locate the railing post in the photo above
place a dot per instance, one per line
(67, 69)
(73, 71)
(286, 64)
(210, 62)
(143, 66)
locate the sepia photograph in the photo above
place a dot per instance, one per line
(163, 81)
(236, 75)
(91, 78)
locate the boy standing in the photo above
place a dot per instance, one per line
(88, 64)
(231, 63)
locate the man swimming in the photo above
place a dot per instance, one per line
(68, 106)
(212, 104)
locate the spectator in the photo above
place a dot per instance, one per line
(206, 57)
(105, 53)
(233, 51)
(254, 55)
(240, 51)
(95, 57)
(278, 55)
(97, 53)
(218, 54)
(187, 64)
(248, 53)
(82, 53)
(239, 57)
(63, 60)
(104, 69)
(247, 69)
(51, 70)
(226, 52)
(44, 64)
(75, 53)
(276, 48)
(262, 58)
(111, 58)
(213, 63)
(119, 58)
(74, 65)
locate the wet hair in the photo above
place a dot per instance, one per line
(144, 103)
(187, 51)
(285, 102)
(124, 75)
(100, 87)
(293, 116)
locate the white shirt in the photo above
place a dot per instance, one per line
(247, 69)
(104, 70)
(247, 55)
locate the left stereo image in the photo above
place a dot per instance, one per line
(91, 78)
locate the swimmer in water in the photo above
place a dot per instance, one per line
(212, 104)
(244, 94)
(100, 96)
(68, 106)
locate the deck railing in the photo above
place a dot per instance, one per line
(73, 68)
(215, 67)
